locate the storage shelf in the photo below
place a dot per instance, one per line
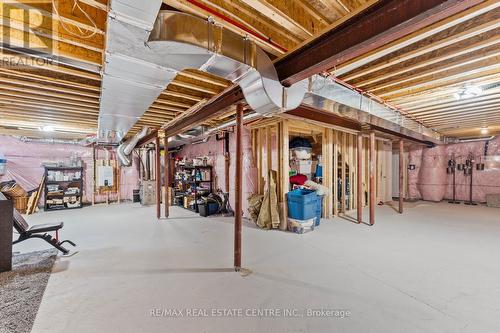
(64, 184)
(61, 207)
(62, 168)
(55, 182)
(63, 195)
(189, 179)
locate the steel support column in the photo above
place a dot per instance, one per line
(373, 167)
(238, 187)
(359, 198)
(401, 152)
(227, 162)
(158, 177)
(166, 160)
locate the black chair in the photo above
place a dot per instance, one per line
(39, 231)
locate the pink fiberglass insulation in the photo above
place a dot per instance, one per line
(214, 151)
(25, 159)
(426, 181)
(432, 174)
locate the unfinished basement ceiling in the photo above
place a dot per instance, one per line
(422, 77)
(418, 73)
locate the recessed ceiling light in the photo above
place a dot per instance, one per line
(484, 130)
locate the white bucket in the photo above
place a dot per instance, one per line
(3, 164)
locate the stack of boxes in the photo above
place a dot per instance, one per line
(301, 157)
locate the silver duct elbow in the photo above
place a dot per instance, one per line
(125, 149)
(182, 41)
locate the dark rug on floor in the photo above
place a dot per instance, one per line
(21, 290)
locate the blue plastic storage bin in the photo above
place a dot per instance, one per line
(319, 171)
(302, 204)
(319, 209)
(207, 209)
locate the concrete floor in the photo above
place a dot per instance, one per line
(434, 269)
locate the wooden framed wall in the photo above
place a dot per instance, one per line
(339, 151)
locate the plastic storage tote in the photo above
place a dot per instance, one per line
(207, 209)
(302, 204)
(319, 209)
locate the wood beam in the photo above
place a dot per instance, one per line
(32, 97)
(432, 59)
(216, 106)
(241, 29)
(449, 19)
(449, 100)
(344, 41)
(271, 12)
(47, 79)
(480, 58)
(370, 29)
(439, 81)
(457, 40)
(17, 59)
(459, 112)
(49, 87)
(454, 104)
(464, 67)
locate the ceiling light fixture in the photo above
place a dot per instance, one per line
(484, 130)
(468, 92)
(47, 129)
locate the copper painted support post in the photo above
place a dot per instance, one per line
(359, 191)
(158, 177)
(94, 171)
(372, 178)
(227, 162)
(238, 188)
(166, 160)
(401, 152)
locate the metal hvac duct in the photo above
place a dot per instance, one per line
(184, 41)
(325, 94)
(125, 149)
(130, 84)
(140, 64)
(142, 58)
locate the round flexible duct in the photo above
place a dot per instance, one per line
(125, 149)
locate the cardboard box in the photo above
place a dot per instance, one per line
(302, 166)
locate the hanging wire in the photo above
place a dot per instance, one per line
(85, 34)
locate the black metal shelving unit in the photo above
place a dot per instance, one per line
(63, 185)
(193, 182)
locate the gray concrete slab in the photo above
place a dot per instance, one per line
(433, 269)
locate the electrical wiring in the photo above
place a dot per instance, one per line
(83, 34)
